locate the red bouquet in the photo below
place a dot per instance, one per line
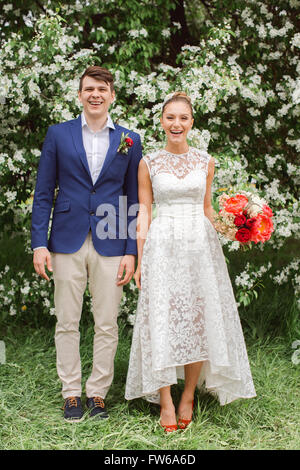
(244, 217)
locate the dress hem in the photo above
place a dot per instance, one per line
(182, 365)
(211, 390)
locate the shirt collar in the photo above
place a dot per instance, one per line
(109, 122)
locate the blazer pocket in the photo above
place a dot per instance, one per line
(63, 206)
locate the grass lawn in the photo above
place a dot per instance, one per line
(31, 414)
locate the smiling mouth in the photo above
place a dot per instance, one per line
(176, 132)
(95, 103)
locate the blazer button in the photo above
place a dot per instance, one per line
(92, 213)
(93, 192)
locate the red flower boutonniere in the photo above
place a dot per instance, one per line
(125, 144)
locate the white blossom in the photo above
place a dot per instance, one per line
(136, 33)
(28, 19)
(7, 7)
(10, 195)
(270, 122)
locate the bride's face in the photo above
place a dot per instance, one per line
(177, 121)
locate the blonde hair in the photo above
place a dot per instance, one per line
(177, 96)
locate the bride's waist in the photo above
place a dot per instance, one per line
(180, 210)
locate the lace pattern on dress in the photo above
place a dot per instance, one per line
(179, 165)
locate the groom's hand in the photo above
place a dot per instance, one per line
(127, 264)
(40, 257)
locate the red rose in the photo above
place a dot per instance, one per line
(242, 235)
(129, 141)
(239, 220)
(250, 222)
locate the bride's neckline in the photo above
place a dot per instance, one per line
(177, 154)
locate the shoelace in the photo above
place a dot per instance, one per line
(71, 401)
(98, 402)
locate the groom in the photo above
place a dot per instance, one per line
(94, 163)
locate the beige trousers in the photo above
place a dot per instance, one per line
(71, 273)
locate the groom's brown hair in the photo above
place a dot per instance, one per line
(99, 73)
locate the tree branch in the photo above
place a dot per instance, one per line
(40, 5)
(181, 36)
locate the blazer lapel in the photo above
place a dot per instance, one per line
(76, 130)
(114, 142)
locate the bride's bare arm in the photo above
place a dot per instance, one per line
(145, 214)
(208, 208)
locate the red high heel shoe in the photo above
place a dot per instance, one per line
(168, 427)
(183, 423)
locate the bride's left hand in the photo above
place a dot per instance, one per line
(137, 277)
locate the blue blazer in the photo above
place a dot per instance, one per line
(80, 205)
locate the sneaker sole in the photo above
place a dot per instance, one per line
(99, 417)
(74, 420)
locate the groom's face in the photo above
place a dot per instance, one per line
(96, 97)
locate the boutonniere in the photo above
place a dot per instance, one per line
(125, 144)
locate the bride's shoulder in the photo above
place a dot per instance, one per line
(204, 159)
(153, 155)
(201, 153)
(151, 159)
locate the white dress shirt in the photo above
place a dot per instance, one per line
(95, 145)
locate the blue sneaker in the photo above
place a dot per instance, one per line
(73, 411)
(97, 407)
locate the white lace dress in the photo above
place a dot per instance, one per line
(186, 309)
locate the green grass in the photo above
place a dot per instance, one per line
(31, 414)
(30, 391)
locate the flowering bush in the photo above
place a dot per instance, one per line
(249, 281)
(236, 59)
(24, 294)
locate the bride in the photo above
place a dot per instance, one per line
(187, 324)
